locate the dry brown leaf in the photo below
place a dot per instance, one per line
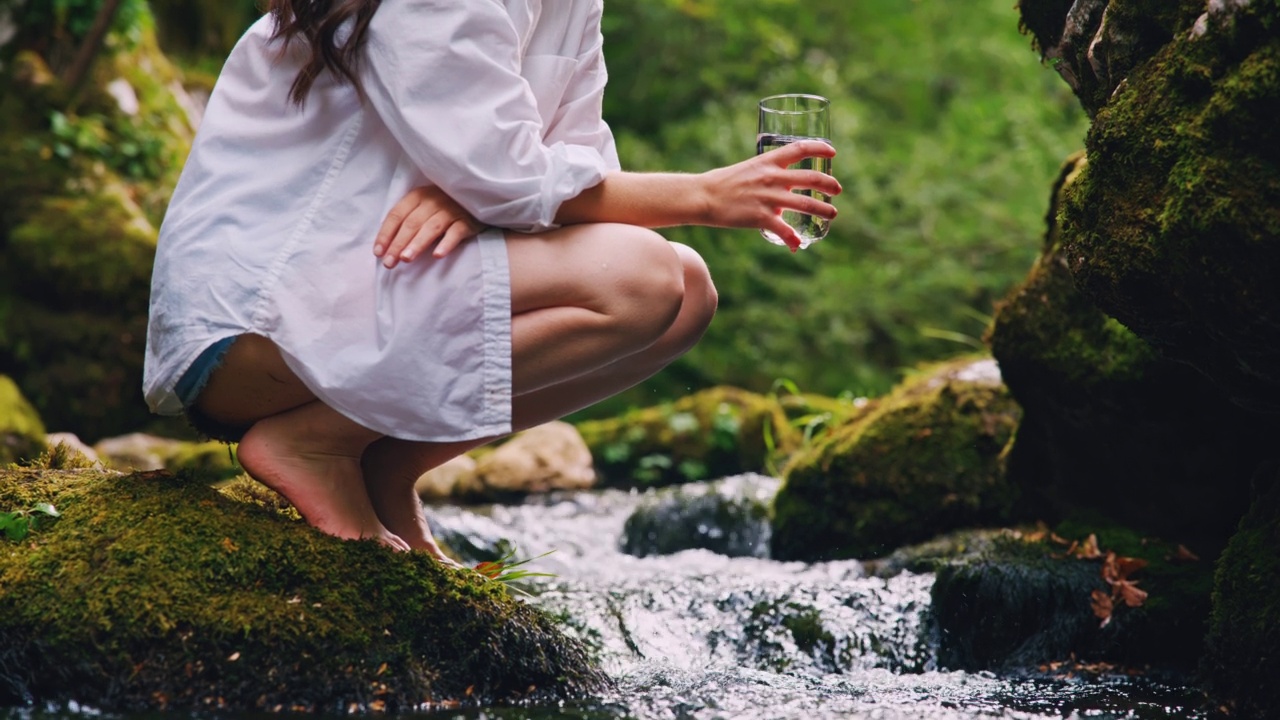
(1182, 554)
(1102, 606)
(1130, 593)
(1087, 550)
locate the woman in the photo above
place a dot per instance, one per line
(472, 130)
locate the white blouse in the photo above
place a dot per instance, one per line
(270, 230)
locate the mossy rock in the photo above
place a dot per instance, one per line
(932, 555)
(21, 432)
(1174, 227)
(1111, 425)
(711, 434)
(729, 517)
(212, 460)
(157, 591)
(1024, 602)
(927, 459)
(1243, 658)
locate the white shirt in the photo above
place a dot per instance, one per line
(271, 226)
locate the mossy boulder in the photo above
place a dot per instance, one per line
(1110, 424)
(1174, 227)
(21, 432)
(711, 434)
(729, 517)
(925, 459)
(85, 175)
(1026, 600)
(1243, 658)
(156, 591)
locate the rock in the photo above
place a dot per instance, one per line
(1023, 602)
(137, 451)
(925, 459)
(729, 517)
(1110, 425)
(1243, 658)
(212, 461)
(21, 431)
(933, 555)
(1174, 227)
(543, 458)
(157, 592)
(74, 444)
(444, 481)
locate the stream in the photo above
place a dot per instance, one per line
(699, 635)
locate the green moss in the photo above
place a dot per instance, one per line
(1174, 228)
(1110, 424)
(926, 459)
(212, 461)
(1243, 658)
(711, 434)
(155, 591)
(1021, 601)
(21, 432)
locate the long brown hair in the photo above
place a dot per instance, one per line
(317, 22)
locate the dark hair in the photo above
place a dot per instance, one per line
(317, 22)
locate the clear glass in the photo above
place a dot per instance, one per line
(785, 119)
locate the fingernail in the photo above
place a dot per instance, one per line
(406, 256)
(388, 262)
(378, 250)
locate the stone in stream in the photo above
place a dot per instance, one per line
(1024, 601)
(925, 459)
(155, 591)
(729, 517)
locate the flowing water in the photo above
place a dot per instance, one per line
(700, 635)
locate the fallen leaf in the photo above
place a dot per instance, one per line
(1182, 554)
(1130, 593)
(1102, 606)
(1088, 550)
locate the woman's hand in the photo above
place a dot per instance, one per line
(424, 217)
(749, 194)
(755, 192)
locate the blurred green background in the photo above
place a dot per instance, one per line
(949, 130)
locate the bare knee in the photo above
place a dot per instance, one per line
(646, 283)
(700, 296)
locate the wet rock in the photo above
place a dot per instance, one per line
(718, 432)
(925, 459)
(1243, 658)
(543, 458)
(1110, 425)
(1025, 602)
(21, 431)
(155, 592)
(933, 555)
(729, 517)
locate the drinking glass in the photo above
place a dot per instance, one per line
(784, 119)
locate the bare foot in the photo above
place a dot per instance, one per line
(297, 454)
(390, 472)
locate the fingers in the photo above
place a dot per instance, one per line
(418, 230)
(460, 230)
(792, 153)
(814, 180)
(391, 225)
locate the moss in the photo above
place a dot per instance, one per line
(155, 591)
(21, 432)
(927, 459)
(1174, 228)
(1023, 602)
(212, 461)
(711, 434)
(1110, 424)
(1243, 658)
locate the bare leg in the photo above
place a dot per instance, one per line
(392, 466)
(297, 446)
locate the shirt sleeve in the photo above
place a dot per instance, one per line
(444, 77)
(580, 118)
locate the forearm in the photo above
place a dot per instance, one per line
(644, 199)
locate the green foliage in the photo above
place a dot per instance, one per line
(948, 132)
(16, 525)
(59, 25)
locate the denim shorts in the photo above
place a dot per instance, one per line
(193, 382)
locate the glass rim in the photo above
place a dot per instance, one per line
(822, 103)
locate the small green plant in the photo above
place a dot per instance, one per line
(508, 570)
(17, 525)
